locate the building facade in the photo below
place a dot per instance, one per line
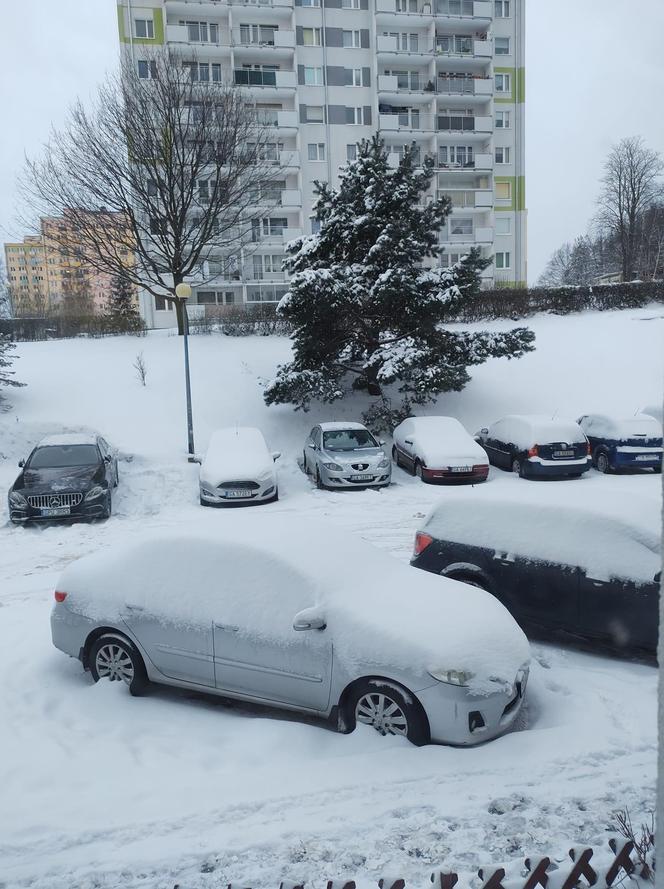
(446, 76)
(25, 262)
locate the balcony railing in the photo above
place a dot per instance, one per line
(462, 46)
(467, 198)
(412, 120)
(465, 8)
(253, 77)
(454, 123)
(260, 35)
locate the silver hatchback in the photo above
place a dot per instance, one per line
(345, 455)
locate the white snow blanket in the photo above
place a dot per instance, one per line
(621, 428)
(440, 441)
(527, 430)
(236, 454)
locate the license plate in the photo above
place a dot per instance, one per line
(51, 512)
(237, 494)
(461, 468)
(361, 478)
(646, 457)
(563, 453)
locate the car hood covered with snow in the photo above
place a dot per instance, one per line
(259, 573)
(236, 454)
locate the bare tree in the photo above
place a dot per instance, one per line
(630, 184)
(556, 271)
(141, 368)
(157, 178)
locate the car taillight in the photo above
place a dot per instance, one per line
(588, 448)
(60, 596)
(421, 543)
(534, 451)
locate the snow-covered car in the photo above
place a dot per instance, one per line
(67, 476)
(623, 443)
(301, 616)
(238, 468)
(589, 569)
(438, 449)
(345, 455)
(537, 446)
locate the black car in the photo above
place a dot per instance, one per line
(65, 477)
(590, 572)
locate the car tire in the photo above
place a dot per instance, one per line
(305, 469)
(319, 481)
(470, 579)
(417, 470)
(276, 496)
(395, 455)
(517, 467)
(602, 463)
(114, 657)
(117, 476)
(109, 505)
(373, 702)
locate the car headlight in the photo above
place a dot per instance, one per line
(334, 467)
(452, 677)
(95, 492)
(16, 499)
(384, 463)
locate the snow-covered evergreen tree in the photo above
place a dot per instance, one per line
(366, 313)
(6, 359)
(121, 312)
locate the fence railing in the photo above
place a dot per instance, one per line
(542, 872)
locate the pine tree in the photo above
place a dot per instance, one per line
(121, 312)
(7, 375)
(366, 314)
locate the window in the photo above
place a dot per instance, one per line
(147, 70)
(310, 2)
(503, 83)
(315, 226)
(503, 120)
(314, 114)
(206, 298)
(351, 152)
(202, 32)
(144, 28)
(461, 226)
(502, 155)
(502, 46)
(316, 151)
(503, 224)
(502, 9)
(355, 75)
(313, 76)
(311, 37)
(503, 191)
(351, 38)
(354, 115)
(503, 261)
(160, 304)
(350, 4)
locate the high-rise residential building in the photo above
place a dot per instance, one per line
(446, 76)
(45, 270)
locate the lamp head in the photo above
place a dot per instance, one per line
(183, 291)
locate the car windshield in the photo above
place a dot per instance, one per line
(348, 440)
(61, 456)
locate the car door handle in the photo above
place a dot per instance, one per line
(407, 441)
(228, 627)
(132, 607)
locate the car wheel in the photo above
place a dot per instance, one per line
(109, 506)
(418, 470)
(395, 455)
(319, 480)
(117, 476)
(602, 463)
(389, 709)
(113, 657)
(276, 496)
(470, 579)
(517, 467)
(305, 468)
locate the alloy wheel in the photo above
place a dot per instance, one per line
(114, 662)
(383, 713)
(602, 463)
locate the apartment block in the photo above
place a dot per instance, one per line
(25, 262)
(446, 76)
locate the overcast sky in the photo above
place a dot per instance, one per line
(594, 74)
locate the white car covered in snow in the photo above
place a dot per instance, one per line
(438, 449)
(300, 616)
(238, 468)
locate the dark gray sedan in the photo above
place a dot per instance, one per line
(345, 455)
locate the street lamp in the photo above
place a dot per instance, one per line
(182, 293)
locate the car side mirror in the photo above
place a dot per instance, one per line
(484, 431)
(276, 455)
(107, 458)
(309, 619)
(381, 442)
(21, 463)
(311, 445)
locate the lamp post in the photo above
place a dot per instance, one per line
(182, 293)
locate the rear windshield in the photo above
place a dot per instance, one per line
(348, 440)
(59, 456)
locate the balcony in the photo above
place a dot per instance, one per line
(281, 236)
(180, 34)
(478, 9)
(463, 47)
(403, 7)
(451, 85)
(453, 123)
(254, 78)
(411, 121)
(291, 197)
(260, 37)
(477, 163)
(467, 199)
(289, 159)
(417, 44)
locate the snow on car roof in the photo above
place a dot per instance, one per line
(68, 438)
(606, 426)
(525, 430)
(442, 438)
(257, 573)
(338, 425)
(237, 453)
(604, 533)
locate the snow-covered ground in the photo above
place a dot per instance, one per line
(98, 789)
